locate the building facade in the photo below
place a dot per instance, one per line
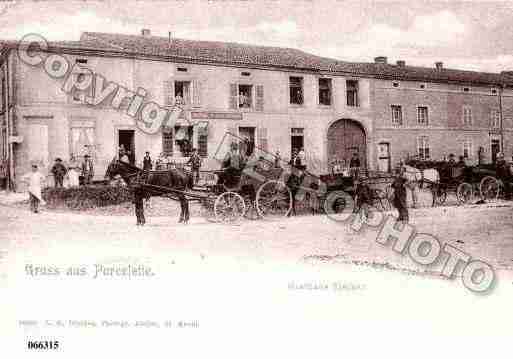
(278, 99)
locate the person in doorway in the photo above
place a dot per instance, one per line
(399, 199)
(35, 181)
(58, 171)
(87, 170)
(354, 165)
(131, 157)
(302, 157)
(277, 159)
(295, 161)
(123, 156)
(195, 162)
(147, 163)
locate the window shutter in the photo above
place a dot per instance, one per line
(259, 103)
(203, 140)
(196, 88)
(233, 97)
(167, 142)
(262, 139)
(169, 93)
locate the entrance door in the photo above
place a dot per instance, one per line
(384, 157)
(248, 135)
(495, 148)
(346, 137)
(126, 139)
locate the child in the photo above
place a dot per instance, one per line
(35, 181)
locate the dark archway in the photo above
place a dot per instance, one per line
(346, 136)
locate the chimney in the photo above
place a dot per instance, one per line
(439, 65)
(380, 60)
(145, 32)
(401, 63)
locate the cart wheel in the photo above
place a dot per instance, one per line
(273, 199)
(464, 192)
(229, 207)
(489, 188)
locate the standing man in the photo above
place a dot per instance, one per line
(302, 157)
(399, 200)
(195, 162)
(35, 181)
(87, 170)
(277, 159)
(147, 164)
(139, 205)
(58, 171)
(354, 165)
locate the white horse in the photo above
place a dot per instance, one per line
(416, 178)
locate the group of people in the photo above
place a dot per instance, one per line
(64, 177)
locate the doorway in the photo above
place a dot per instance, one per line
(495, 148)
(384, 157)
(346, 137)
(247, 134)
(126, 140)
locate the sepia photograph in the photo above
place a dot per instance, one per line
(256, 178)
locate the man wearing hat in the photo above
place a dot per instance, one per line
(35, 181)
(58, 171)
(232, 164)
(87, 170)
(195, 162)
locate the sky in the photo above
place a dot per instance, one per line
(472, 35)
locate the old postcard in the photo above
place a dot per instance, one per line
(256, 179)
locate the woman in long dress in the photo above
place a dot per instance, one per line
(72, 177)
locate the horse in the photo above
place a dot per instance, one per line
(417, 177)
(173, 182)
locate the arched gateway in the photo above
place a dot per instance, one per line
(344, 138)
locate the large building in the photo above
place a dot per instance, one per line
(278, 98)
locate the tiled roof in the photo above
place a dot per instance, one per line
(234, 53)
(265, 56)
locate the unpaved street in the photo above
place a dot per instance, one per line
(276, 281)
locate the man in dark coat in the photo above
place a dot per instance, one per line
(147, 163)
(139, 205)
(58, 171)
(87, 170)
(195, 162)
(399, 200)
(503, 173)
(363, 198)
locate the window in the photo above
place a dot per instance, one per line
(183, 139)
(296, 90)
(494, 91)
(466, 89)
(296, 139)
(395, 84)
(182, 69)
(352, 92)
(422, 115)
(467, 148)
(203, 139)
(325, 92)
(467, 115)
(245, 74)
(81, 61)
(422, 86)
(397, 115)
(495, 119)
(82, 138)
(423, 148)
(79, 96)
(182, 92)
(167, 143)
(245, 96)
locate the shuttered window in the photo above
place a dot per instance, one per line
(167, 142)
(196, 93)
(234, 97)
(262, 139)
(259, 103)
(169, 93)
(203, 140)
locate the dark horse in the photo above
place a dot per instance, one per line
(171, 183)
